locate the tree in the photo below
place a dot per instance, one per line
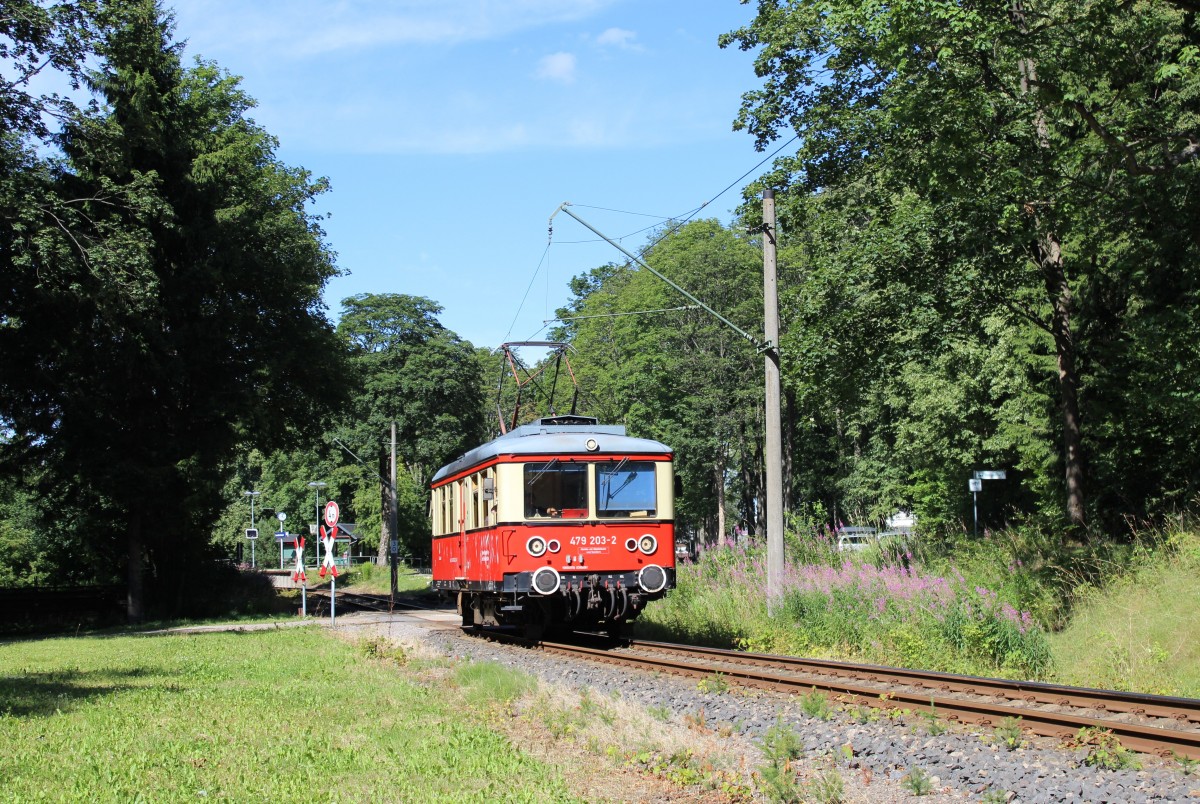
(408, 369)
(1016, 124)
(163, 304)
(681, 376)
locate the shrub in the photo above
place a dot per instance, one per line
(891, 614)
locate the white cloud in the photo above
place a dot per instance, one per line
(558, 67)
(619, 38)
(305, 28)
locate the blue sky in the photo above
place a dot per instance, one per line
(450, 130)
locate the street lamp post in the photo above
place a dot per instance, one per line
(316, 486)
(254, 540)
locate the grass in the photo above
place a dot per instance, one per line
(377, 580)
(1140, 630)
(1015, 603)
(290, 714)
(891, 611)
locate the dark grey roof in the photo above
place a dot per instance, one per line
(546, 437)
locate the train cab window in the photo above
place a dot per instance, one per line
(554, 488)
(626, 488)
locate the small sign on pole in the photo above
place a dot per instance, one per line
(251, 533)
(974, 484)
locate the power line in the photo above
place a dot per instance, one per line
(679, 224)
(616, 315)
(532, 279)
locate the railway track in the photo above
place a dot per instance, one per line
(1153, 724)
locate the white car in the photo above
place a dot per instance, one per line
(856, 539)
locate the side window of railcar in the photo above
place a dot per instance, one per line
(555, 489)
(435, 510)
(489, 500)
(448, 508)
(625, 488)
(470, 495)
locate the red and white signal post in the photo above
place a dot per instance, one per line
(299, 577)
(328, 536)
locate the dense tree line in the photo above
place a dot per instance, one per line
(1002, 199)
(989, 259)
(163, 345)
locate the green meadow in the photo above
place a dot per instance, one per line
(276, 715)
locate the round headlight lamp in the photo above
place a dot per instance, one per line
(648, 544)
(536, 545)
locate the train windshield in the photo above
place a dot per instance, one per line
(626, 488)
(555, 489)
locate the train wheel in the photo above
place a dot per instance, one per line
(465, 609)
(537, 618)
(615, 630)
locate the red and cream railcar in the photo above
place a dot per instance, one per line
(562, 522)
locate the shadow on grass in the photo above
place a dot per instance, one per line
(44, 694)
(708, 635)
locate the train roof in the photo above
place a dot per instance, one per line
(556, 435)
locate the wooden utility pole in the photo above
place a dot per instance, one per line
(774, 435)
(393, 521)
(768, 346)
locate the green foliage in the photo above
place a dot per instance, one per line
(1104, 749)
(933, 720)
(815, 704)
(827, 788)
(378, 647)
(661, 713)
(888, 614)
(484, 682)
(781, 746)
(686, 769)
(682, 376)
(1010, 733)
(159, 277)
(964, 232)
(1188, 765)
(409, 369)
(1151, 644)
(715, 684)
(917, 781)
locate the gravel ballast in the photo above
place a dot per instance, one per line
(962, 764)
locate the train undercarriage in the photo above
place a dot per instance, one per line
(577, 603)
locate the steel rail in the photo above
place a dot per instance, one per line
(941, 693)
(1136, 737)
(1183, 710)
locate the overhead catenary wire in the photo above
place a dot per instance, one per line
(680, 222)
(532, 279)
(616, 315)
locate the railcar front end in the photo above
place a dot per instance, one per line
(562, 523)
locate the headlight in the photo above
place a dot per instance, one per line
(536, 545)
(648, 544)
(553, 546)
(631, 544)
(652, 578)
(545, 581)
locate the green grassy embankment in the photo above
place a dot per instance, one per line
(290, 714)
(1015, 603)
(1141, 630)
(376, 580)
